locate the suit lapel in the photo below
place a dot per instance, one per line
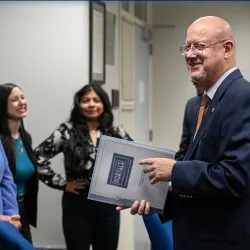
(204, 124)
(210, 112)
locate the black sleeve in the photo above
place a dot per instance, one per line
(167, 209)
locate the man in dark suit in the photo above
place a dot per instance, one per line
(189, 122)
(210, 196)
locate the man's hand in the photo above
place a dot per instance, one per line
(75, 186)
(142, 208)
(159, 169)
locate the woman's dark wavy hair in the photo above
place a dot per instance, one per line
(76, 150)
(106, 119)
(5, 134)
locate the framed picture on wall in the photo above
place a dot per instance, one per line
(97, 41)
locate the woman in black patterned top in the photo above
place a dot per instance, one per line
(85, 222)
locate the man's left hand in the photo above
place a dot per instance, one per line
(159, 169)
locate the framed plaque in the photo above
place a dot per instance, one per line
(97, 41)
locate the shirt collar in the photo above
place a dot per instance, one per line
(211, 91)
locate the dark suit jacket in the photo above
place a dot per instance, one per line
(189, 122)
(211, 187)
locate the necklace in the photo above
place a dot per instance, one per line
(19, 146)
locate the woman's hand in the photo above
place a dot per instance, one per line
(75, 186)
(14, 220)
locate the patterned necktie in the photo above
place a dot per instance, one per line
(204, 104)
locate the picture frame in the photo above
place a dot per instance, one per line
(97, 42)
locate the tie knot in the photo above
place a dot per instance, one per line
(205, 101)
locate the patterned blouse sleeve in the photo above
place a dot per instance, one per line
(121, 131)
(49, 148)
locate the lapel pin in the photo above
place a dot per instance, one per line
(213, 109)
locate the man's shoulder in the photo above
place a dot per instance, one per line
(194, 100)
(240, 89)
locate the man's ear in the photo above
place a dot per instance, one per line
(229, 46)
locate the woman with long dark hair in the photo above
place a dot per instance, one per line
(85, 222)
(17, 145)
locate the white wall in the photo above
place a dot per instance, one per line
(112, 71)
(171, 82)
(126, 239)
(44, 49)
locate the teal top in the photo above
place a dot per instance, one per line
(24, 167)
